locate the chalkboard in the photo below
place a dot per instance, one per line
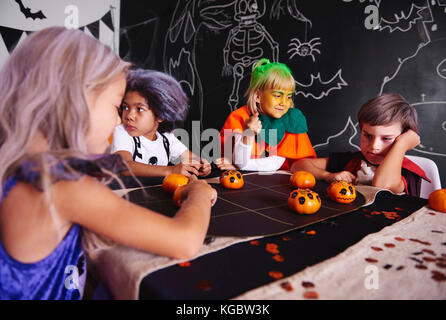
(342, 53)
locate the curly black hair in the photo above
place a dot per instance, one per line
(163, 94)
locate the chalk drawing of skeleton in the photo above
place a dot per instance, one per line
(245, 45)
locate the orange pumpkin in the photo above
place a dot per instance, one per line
(232, 179)
(342, 192)
(304, 201)
(173, 181)
(437, 200)
(177, 195)
(303, 179)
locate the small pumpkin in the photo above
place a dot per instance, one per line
(232, 179)
(437, 200)
(173, 181)
(304, 201)
(177, 195)
(303, 180)
(342, 192)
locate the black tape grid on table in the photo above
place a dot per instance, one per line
(258, 209)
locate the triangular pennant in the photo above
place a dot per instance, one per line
(11, 37)
(4, 54)
(106, 36)
(87, 31)
(94, 29)
(107, 19)
(23, 37)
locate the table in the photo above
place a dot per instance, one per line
(392, 248)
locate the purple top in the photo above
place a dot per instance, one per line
(62, 274)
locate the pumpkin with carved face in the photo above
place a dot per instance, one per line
(232, 179)
(342, 192)
(304, 201)
(303, 179)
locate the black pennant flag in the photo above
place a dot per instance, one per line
(107, 19)
(11, 37)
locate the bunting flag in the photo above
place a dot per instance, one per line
(102, 29)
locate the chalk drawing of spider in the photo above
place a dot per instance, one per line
(304, 48)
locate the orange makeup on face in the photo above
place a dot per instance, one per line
(275, 102)
(376, 141)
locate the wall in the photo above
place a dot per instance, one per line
(342, 53)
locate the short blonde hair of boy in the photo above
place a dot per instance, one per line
(268, 75)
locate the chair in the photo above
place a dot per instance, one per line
(431, 170)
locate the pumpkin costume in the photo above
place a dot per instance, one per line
(292, 141)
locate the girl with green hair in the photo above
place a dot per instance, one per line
(269, 132)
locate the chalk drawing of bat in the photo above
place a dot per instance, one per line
(318, 88)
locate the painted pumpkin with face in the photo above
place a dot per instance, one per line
(437, 200)
(173, 181)
(232, 179)
(342, 192)
(304, 201)
(303, 180)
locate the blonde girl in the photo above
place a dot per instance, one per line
(269, 132)
(59, 100)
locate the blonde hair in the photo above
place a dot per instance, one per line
(268, 75)
(44, 86)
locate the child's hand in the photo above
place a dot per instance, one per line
(200, 187)
(205, 168)
(409, 139)
(253, 123)
(224, 164)
(340, 176)
(186, 169)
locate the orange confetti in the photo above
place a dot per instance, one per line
(399, 209)
(287, 286)
(275, 274)
(431, 252)
(184, 264)
(307, 284)
(286, 238)
(272, 248)
(205, 285)
(278, 258)
(399, 239)
(254, 243)
(391, 215)
(311, 232)
(375, 213)
(311, 295)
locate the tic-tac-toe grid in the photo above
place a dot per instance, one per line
(258, 209)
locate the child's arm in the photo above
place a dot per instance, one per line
(147, 170)
(201, 164)
(388, 174)
(244, 144)
(318, 166)
(101, 211)
(243, 161)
